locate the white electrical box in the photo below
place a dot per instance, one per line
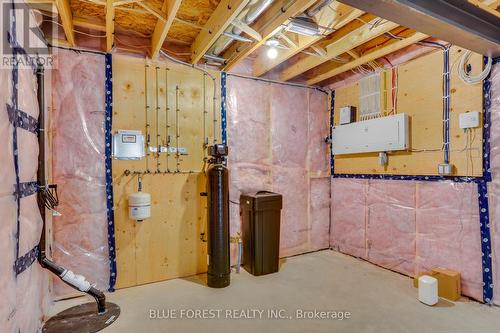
(445, 169)
(468, 119)
(389, 133)
(347, 115)
(128, 145)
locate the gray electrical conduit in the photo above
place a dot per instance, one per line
(67, 276)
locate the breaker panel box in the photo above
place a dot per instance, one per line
(383, 134)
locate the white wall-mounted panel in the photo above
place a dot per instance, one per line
(389, 133)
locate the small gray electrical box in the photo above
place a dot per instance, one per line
(347, 115)
(445, 169)
(128, 145)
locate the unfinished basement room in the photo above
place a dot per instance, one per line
(250, 166)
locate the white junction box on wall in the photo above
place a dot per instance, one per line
(389, 133)
(128, 145)
(347, 115)
(468, 119)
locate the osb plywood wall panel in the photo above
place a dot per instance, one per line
(420, 96)
(168, 245)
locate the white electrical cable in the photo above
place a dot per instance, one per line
(467, 77)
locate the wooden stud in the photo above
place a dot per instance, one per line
(224, 14)
(124, 2)
(66, 19)
(153, 11)
(93, 24)
(487, 8)
(268, 24)
(353, 54)
(343, 14)
(338, 47)
(110, 25)
(170, 8)
(380, 52)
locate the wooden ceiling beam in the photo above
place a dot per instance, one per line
(110, 25)
(342, 15)
(117, 3)
(487, 6)
(221, 18)
(97, 25)
(342, 45)
(267, 25)
(66, 19)
(377, 53)
(165, 20)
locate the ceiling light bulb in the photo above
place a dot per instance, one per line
(272, 53)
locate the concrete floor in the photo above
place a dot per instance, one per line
(378, 301)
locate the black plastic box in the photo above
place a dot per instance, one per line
(261, 216)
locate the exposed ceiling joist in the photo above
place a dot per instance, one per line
(117, 3)
(267, 25)
(224, 14)
(110, 25)
(335, 19)
(97, 25)
(342, 45)
(377, 53)
(484, 6)
(170, 8)
(66, 19)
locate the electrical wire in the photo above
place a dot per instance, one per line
(466, 76)
(77, 31)
(48, 196)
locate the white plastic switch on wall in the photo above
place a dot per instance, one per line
(469, 120)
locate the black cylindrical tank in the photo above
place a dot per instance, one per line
(218, 219)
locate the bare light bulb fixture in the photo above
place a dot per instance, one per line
(272, 53)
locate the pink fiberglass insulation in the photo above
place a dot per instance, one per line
(494, 188)
(292, 183)
(249, 121)
(275, 137)
(289, 119)
(319, 129)
(494, 206)
(348, 229)
(390, 228)
(495, 124)
(448, 232)
(320, 213)
(80, 233)
(23, 296)
(410, 227)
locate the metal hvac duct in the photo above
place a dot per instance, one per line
(249, 14)
(456, 21)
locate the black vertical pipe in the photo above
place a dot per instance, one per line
(45, 262)
(218, 223)
(40, 75)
